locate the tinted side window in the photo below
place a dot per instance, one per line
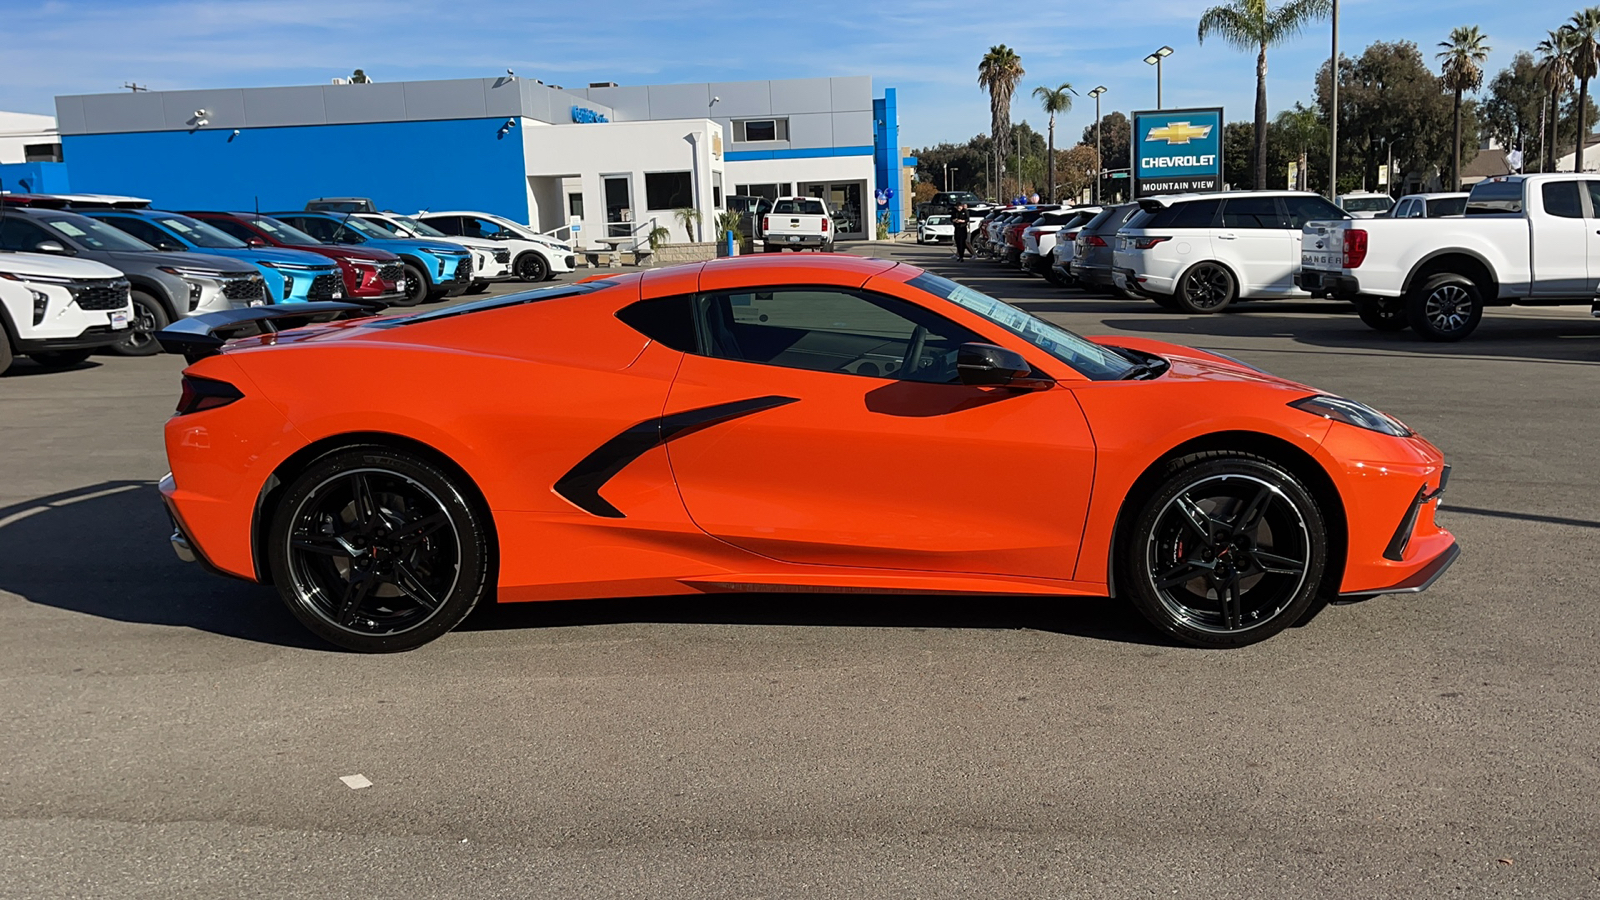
(446, 224)
(234, 229)
(484, 228)
(319, 228)
(1252, 212)
(831, 330)
(1199, 214)
(1561, 199)
(1310, 209)
(1455, 206)
(666, 320)
(144, 231)
(1494, 198)
(20, 234)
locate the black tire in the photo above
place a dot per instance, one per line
(477, 287)
(530, 266)
(1206, 288)
(149, 316)
(60, 359)
(379, 550)
(1054, 276)
(1385, 314)
(1231, 525)
(1445, 307)
(417, 286)
(5, 351)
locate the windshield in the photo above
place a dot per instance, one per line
(384, 227)
(285, 233)
(200, 234)
(419, 227)
(1090, 359)
(97, 235)
(1367, 204)
(365, 229)
(938, 220)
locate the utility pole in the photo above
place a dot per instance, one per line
(1099, 164)
(1333, 112)
(1019, 161)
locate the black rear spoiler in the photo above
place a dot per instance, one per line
(198, 337)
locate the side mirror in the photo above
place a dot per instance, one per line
(171, 247)
(256, 242)
(51, 247)
(986, 365)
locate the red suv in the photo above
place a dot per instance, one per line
(368, 274)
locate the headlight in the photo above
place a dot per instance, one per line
(1352, 413)
(185, 272)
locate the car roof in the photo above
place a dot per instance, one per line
(1169, 199)
(1436, 195)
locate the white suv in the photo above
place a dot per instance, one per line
(534, 256)
(1199, 252)
(57, 311)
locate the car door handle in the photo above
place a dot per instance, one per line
(1227, 237)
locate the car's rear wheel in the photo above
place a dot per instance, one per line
(1383, 314)
(59, 359)
(416, 286)
(1206, 288)
(1056, 277)
(378, 550)
(5, 351)
(531, 266)
(1446, 307)
(1229, 550)
(149, 317)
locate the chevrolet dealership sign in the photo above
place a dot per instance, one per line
(1177, 150)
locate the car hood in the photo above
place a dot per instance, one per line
(50, 265)
(413, 245)
(346, 251)
(135, 259)
(279, 255)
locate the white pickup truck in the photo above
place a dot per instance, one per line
(1525, 239)
(797, 222)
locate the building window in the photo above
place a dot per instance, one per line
(749, 131)
(769, 191)
(716, 189)
(667, 190)
(41, 153)
(575, 205)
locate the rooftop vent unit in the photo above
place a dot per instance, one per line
(595, 84)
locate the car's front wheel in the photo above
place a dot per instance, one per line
(1229, 550)
(1207, 288)
(378, 550)
(149, 317)
(417, 286)
(531, 266)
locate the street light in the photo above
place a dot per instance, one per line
(1155, 59)
(1100, 166)
(1333, 112)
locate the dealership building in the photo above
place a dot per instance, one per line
(609, 158)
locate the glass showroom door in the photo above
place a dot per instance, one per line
(844, 198)
(619, 206)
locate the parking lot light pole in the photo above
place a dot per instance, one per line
(1099, 164)
(1155, 59)
(1333, 112)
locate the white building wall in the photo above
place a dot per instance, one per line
(588, 153)
(18, 130)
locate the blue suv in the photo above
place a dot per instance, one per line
(292, 276)
(434, 268)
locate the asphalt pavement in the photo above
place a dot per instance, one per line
(168, 733)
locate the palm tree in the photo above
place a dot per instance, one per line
(1462, 58)
(1302, 128)
(1556, 70)
(998, 73)
(1585, 56)
(1054, 100)
(1253, 25)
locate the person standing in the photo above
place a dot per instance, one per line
(959, 219)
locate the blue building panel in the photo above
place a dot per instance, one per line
(404, 166)
(35, 178)
(886, 155)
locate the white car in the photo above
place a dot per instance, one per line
(491, 260)
(1365, 204)
(1430, 206)
(1050, 240)
(534, 256)
(58, 310)
(1197, 253)
(934, 229)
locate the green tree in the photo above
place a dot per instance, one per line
(1392, 108)
(1300, 129)
(1585, 55)
(1511, 112)
(1053, 101)
(1462, 58)
(998, 73)
(1077, 166)
(1254, 25)
(1555, 71)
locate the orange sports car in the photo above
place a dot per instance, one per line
(822, 423)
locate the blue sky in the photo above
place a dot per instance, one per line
(928, 49)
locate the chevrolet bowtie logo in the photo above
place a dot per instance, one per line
(1178, 132)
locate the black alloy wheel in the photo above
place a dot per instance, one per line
(1207, 288)
(1383, 314)
(1447, 307)
(417, 286)
(60, 359)
(1230, 550)
(378, 550)
(149, 316)
(531, 266)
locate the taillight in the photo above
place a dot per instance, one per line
(1355, 248)
(1069, 236)
(1145, 243)
(1095, 240)
(205, 393)
(766, 222)
(824, 225)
